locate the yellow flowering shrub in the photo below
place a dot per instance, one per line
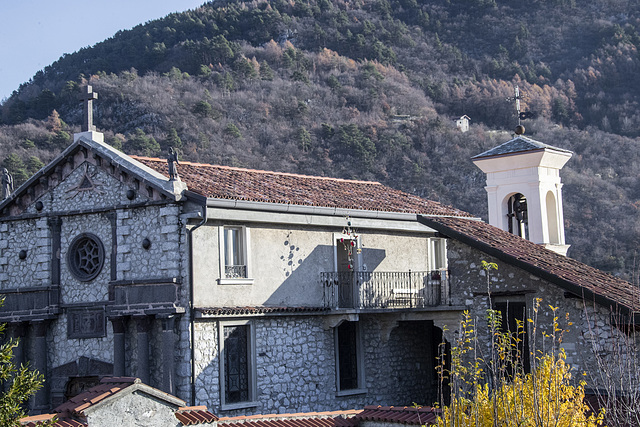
(544, 398)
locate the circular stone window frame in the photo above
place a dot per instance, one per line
(78, 243)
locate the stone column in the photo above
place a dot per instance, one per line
(143, 327)
(16, 331)
(56, 226)
(168, 355)
(40, 363)
(119, 327)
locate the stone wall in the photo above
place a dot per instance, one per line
(162, 227)
(582, 321)
(86, 187)
(31, 236)
(63, 349)
(73, 290)
(296, 365)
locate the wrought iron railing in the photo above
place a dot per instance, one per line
(235, 271)
(382, 289)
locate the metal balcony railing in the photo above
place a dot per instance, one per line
(381, 289)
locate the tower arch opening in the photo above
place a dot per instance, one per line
(517, 215)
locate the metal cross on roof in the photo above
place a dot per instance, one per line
(87, 98)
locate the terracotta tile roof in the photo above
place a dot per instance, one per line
(222, 182)
(574, 276)
(421, 415)
(39, 420)
(193, 415)
(308, 419)
(519, 144)
(70, 413)
(107, 387)
(238, 311)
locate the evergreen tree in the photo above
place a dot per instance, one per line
(173, 140)
(143, 144)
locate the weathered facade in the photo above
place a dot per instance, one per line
(257, 292)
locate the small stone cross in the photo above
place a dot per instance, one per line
(87, 98)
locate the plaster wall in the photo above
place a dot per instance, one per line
(285, 263)
(134, 410)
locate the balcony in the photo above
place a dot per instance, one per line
(385, 290)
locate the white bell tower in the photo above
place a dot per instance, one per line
(524, 190)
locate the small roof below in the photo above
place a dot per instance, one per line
(519, 144)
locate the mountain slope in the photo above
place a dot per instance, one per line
(366, 90)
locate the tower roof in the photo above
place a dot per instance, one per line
(517, 145)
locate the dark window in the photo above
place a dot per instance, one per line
(347, 342)
(86, 257)
(236, 364)
(513, 313)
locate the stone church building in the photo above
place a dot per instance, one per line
(262, 292)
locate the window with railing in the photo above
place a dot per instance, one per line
(234, 255)
(385, 289)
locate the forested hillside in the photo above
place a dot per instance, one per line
(368, 89)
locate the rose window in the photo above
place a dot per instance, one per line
(86, 257)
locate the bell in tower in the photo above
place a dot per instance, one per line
(524, 190)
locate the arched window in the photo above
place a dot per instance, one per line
(517, 215)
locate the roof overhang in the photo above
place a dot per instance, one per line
(543, 157)
(579, 291)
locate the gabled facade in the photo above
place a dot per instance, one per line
(257, 292)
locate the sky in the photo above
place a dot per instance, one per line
(35, 33)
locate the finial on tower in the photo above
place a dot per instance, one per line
(87, 98)
(522, 115)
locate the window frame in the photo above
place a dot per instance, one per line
(508, 301)
(437, 247)
(245, 242)
(358, 265)
(360, 371)
(251, 368)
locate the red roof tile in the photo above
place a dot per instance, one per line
(308, 419)
(222, 182)
(421, 415)
(107, 387)
(574, 276)
(38, 420)
(193, 415)
(239, 311)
